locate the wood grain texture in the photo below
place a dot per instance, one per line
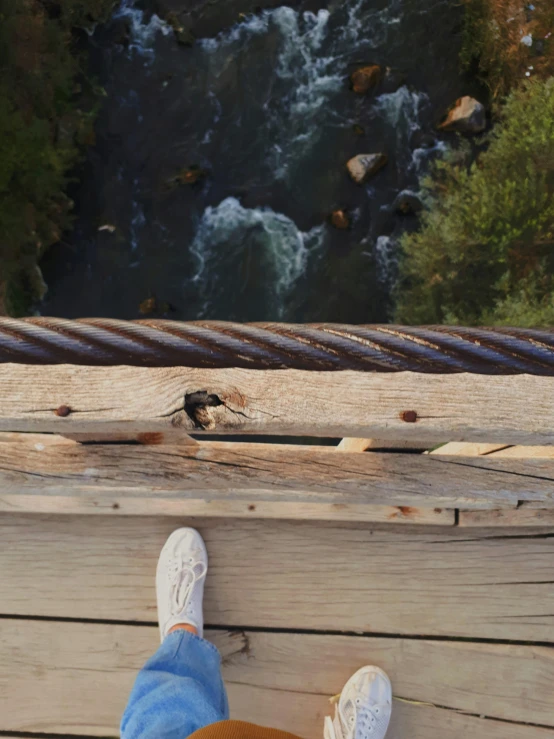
(80, 676)
(525, 452)
(523, 516)
(467, 449)
(353, 444)
(116, 505)
(506, 410)
(294, 575)
(272, 473)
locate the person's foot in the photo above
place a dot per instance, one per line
(364, 707)
(180, 577)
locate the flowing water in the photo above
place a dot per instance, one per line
(265, 110)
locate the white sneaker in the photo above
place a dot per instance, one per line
(180, 577)
(364, 707)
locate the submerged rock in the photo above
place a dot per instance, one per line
(466, 116)
(365, 78)
(183, 34)
(363, 166)
(189, 176)
(391, 81)
(340, 219)
(152, 306)
(422, 140)
(407, 203)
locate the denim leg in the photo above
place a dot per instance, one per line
(179, 690)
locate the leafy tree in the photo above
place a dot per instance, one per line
(485, 249)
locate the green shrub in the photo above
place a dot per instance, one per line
(41, 130)
(484, 252)
(491, 42)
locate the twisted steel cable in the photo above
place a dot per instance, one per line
(316, 346)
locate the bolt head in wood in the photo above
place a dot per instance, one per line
(409, 416)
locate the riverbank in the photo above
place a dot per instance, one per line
(484, 251)
(46, 118)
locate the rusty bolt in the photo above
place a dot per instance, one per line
(63, 411)
(409, 416)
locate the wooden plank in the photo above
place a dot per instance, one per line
(287, 709)
(294, 575)
(267, 472)
(80, 675)
(171, 436)
(463, 407)
(353, 444)
(526, 452)
(114, 504)
(523, 516)
(464, 449)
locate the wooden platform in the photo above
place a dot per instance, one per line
(438, 567)
(462, 620)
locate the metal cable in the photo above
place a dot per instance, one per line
(315, 346)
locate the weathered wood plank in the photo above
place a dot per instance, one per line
(506, 410)
(525, 515)
(288, 574)
(269, 472)
(80, 675)
(353, 444)
(460, 448)
(526, 452)
(114, 504)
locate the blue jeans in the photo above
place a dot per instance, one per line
(177, 692)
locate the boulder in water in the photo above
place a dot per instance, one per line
(363, 166)
(189, 176)
(365, 78)
(407, 203)
(152, 306)
(183, 34)
(467, 115)
(340, 219)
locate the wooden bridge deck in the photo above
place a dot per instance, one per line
(461, 618)
(438, 568)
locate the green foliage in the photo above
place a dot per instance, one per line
(485, 250)
(84, 13)
(41, 130)
(491, 42)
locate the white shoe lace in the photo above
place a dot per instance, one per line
(184, 575)
(366, 719)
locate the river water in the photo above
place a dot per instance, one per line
(264, 108)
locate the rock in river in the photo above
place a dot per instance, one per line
(467, 115)
(365, 78)
(363, 166)
(340, 219)
(407, 203)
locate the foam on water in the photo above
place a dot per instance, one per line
(232, 235)
(386, 259)
(142, 33)
(401, 111)
(238, 250)
(312, 61)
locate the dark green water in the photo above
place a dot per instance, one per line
(265, 108)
